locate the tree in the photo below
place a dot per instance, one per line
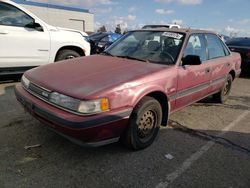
(118, 29)
(102, 29)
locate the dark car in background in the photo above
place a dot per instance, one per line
(242, 46)
(101, 40)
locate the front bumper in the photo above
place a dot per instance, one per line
(94, 130)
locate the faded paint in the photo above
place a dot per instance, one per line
(124, 82)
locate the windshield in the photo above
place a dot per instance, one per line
(149, 46)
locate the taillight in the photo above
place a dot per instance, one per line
(248, 54)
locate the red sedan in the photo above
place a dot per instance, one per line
(129, 90)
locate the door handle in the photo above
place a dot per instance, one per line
(4, 32)
(207, 70)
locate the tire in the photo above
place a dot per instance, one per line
(144, 124)
(223, 95)
(67, 54)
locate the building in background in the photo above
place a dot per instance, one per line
(61, 16)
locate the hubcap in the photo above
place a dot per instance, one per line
(147, 124)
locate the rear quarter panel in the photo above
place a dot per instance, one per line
(236, 62)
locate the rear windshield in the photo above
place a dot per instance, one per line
(239, 42)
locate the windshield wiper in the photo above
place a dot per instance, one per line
(129, 57)
(107, 53)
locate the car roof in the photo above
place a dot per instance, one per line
(176, 30)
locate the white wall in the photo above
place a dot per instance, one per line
(64, 18)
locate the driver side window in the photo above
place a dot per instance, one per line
(196, 46)
(12, 16)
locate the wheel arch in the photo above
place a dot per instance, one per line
(70, 47)
(162, 98)
(233, 74)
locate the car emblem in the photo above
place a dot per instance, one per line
(45, 94)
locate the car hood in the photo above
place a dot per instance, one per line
(66, 30)
(85, 76)
(72, 30)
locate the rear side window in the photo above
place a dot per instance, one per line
(214, 46)
(12, 16)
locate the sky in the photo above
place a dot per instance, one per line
(224, 16)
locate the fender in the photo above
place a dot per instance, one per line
(146, 91)
(55, 49)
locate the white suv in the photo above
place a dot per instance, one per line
(26, 41)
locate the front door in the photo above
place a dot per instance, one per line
(193, 80)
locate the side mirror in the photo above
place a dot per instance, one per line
(191, 60)
(35, 26)
(38, 27)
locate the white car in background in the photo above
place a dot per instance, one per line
(170, 26)
(26, 41)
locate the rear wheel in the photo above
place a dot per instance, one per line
(67, 54)
(144, 124)
(222, 96)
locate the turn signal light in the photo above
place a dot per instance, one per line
(104, 104)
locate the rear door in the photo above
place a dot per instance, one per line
(219, 60)
(21, 46)
(193, 80)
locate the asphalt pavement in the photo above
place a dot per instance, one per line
(204, 145)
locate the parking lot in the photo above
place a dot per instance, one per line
(205, 145)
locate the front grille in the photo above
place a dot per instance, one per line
(39, 91)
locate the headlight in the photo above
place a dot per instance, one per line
(84, 107)
(25, 82)
(64, 101)
(94, 106)
(86, 38)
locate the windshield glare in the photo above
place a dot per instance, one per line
(152, 46)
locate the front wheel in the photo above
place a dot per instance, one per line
(67, 54)
(144, 124)
(223, 95)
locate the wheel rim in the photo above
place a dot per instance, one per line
(227, 88)
(147, 124)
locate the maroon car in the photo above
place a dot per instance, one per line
(127, 92)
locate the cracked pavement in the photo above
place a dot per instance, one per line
(209, 145)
